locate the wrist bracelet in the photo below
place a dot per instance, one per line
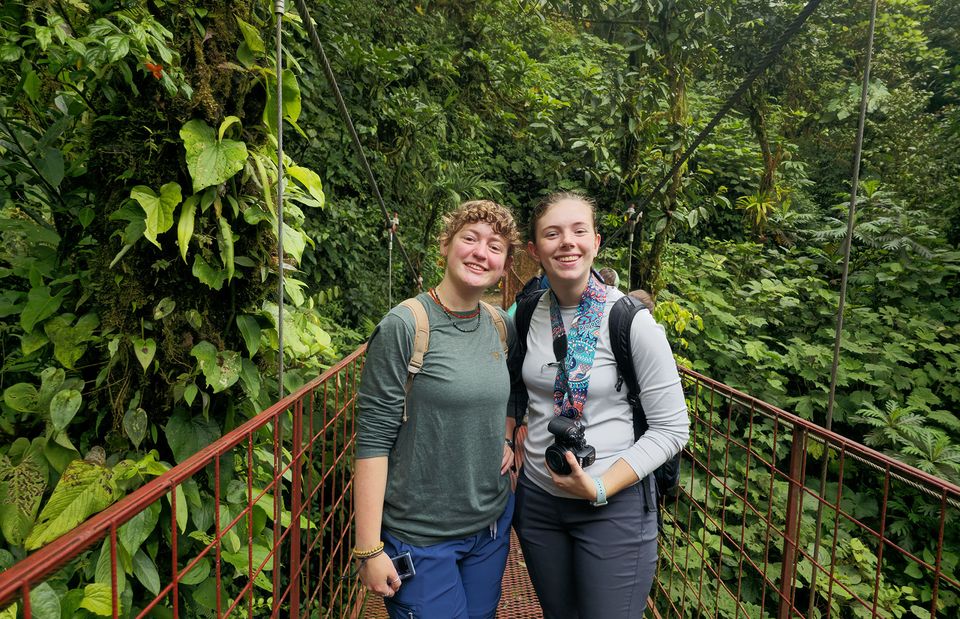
(601, 493)
(509, 442)
(369, 553)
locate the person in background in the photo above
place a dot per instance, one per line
(644, 297)
(610, 276)
(589, 537)
(431, 470)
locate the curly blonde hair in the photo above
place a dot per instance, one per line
(489, 212)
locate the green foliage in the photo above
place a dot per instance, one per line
(158, 121)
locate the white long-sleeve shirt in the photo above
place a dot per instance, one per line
(607, 418)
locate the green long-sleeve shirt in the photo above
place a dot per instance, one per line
(444, 477)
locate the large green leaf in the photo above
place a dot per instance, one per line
(102, 573)
(187, 434)
(209, 275)
(21, 491)
(64, 406)
(159, 208)
(251, 37)
(70, 340)
(21, 397)
(44, 602)
(211, 162)
(310, 180)
(98, 599)
(40, 306)
(144, 350)
(135, 425)
(84, 489)
(221, 369)
(250, 330)
(32, 342)
(291, 100)
(53, 380)
(146, 572)
(52, 166)
(136, 530)
(198, 573)
(188, 214)
(225, 240)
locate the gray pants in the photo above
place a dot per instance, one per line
(589, 562)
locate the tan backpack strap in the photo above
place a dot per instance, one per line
(421, 341)
(499, 323)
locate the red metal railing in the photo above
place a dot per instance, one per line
(741, 538)
(270, 536)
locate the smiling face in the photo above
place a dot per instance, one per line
(476, 257)
(566, 243)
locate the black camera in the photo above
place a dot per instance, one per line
(568, 436)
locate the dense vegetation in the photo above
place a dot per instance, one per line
(138, 167)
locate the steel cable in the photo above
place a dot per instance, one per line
(348, 121)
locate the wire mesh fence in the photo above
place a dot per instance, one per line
(778, 517)
(256, 524)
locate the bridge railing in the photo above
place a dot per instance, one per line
(778, 517)
(271, 535)
(740, 538)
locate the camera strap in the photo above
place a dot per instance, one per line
(575, 351)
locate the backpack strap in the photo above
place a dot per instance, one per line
(500, 324)
(421, 341)
(621, 319)
(521, 321)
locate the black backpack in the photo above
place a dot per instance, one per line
(667, 475)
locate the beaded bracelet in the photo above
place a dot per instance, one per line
(368, 554)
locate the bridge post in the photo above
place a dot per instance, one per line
(788, 569)
(296, 500)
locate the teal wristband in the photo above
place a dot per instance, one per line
(601, 493)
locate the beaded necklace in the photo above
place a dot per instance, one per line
(451, 314)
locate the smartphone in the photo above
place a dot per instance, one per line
(404, 565)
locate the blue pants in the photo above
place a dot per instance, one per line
(459, 579)
(589, 562)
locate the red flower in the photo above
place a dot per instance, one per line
(156, 69)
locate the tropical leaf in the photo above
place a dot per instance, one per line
(98, 599)
(84, 489)
(187, 434)
(250, 330)
(144, 350)
(44, 602)
(310, 180)
(21, 397)
(158, 208)
(70, 340)
(135, 425)
(210, 161)
(188, 214)
(40, 306)
(64, 406)
(221, 369)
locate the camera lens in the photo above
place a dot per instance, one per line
(556, 460)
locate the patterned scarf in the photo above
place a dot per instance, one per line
(577, 348)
